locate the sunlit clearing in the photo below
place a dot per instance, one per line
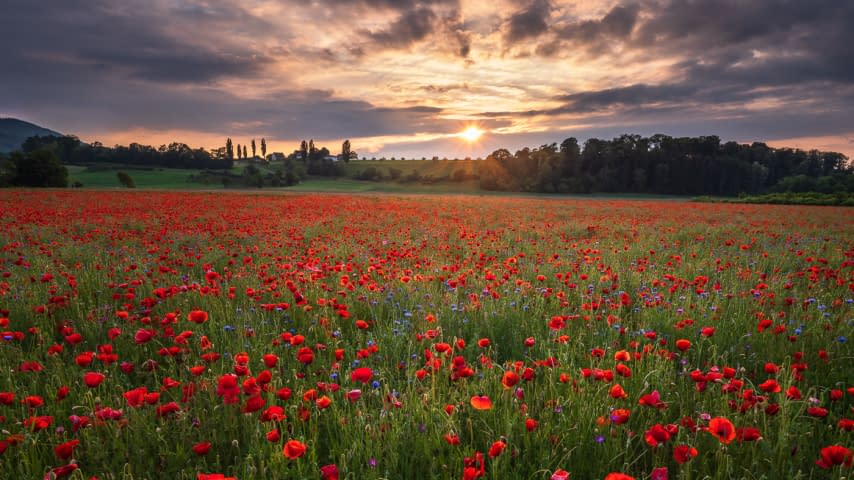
(471, 134)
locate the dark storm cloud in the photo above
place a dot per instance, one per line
(528, 23)
(411, 27)
(791, 59)
(417, 21)
(120, 40)
(101, 66)
(614, 26)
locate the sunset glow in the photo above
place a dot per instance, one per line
(397, 76)
(471, 134)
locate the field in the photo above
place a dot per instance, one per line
(179, 335)
(159, 178)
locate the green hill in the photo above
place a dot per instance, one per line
(13, 132)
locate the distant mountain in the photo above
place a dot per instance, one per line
(13, 132)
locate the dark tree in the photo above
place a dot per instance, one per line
(253, 148)
(244, 150)
(125, 179)
(229, 149)
(303, 148)
(345, 151)
(40, 168)
(239, 152)
(263, 148)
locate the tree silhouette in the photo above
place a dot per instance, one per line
(239, 152)
(303, 148)
(263, 148)
(244, 151)
(229, 149)
(345, 151)
(125, 179)
(253, 148)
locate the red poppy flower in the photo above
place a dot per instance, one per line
(362, 374)
(323, 402)
(198, 316)
(560, 475)
(64, 451)
(329, 472)
(618, 476)
(481, 402)
(274, 435)
(748, 434)
(652, 399)
(253, 404)
(497, 448)
(530, 424)
(617, 391)
(294, 449)
(722, 429)
(202, 448)
(834, 455)
(683, 344)
(270, 360)
(770, 386)
(509, 379)
(61, 472)
(683, 453)
(305, 355)
(620, 416)
(273, 414)
(656, 435)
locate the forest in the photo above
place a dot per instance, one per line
(666, 165)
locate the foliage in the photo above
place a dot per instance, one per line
(125, 179)
(38, 168)
(789, 198)
(665, 165)
(70, 150)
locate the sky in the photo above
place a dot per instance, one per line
(405, 77)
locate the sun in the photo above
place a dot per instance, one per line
(471, 134)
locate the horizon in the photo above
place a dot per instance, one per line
(408, 78)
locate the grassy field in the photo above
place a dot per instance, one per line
(151, 335)
(160, 178)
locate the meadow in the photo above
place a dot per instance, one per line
(182, 335)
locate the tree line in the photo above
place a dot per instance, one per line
(70, 150)
(662, 164)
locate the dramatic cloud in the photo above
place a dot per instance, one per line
(396, 76)
(528, 23)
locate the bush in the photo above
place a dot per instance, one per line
(39, 168)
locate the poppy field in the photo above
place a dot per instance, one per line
(150, 335)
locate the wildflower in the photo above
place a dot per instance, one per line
(202, 448)
(683, 453)
(329, 472)
(834, 455)
(198, 316)
(722, 429)
(559, 474)
(294, 449)
(64, 451)
(481, 402)
(362, 374)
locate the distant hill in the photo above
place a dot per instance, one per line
(13, 132)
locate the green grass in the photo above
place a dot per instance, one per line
(348, 185)
(160, 178)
